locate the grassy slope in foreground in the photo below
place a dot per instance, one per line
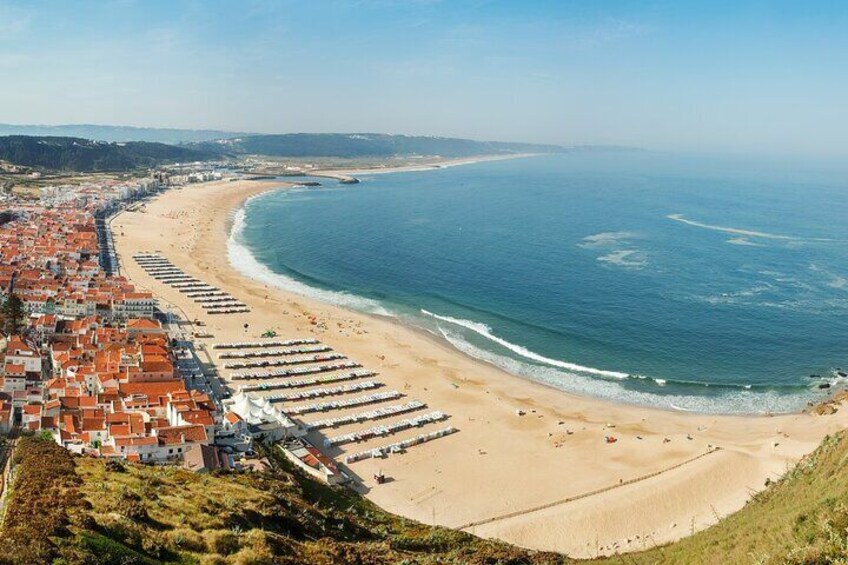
(92, 512)
(71, 510)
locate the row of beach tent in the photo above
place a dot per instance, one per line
(322, 392)
(385, 429)
(346, 403)
(252, 375)
(256, 354)
(235, 310)
(266, 344)
(167, 273)
(400, 446)
(379, 413)
(204, 293)
(318, 358)
(299, 383)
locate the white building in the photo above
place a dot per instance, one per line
(134, 305)
(20, 353)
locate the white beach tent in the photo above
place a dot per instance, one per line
(263, 418)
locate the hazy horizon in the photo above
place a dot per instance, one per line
(758, 77)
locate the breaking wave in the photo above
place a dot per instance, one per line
(486, 331)
(726, 399)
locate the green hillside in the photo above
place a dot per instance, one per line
(83, 155)
(65, 509)
(118, 133)
(357, 145)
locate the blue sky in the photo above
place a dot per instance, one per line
(758, 77)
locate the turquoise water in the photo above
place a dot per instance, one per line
(691, 283)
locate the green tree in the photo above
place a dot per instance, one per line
(13, 315)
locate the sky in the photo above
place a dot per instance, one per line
(764, 77)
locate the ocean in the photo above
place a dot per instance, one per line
(694, 283)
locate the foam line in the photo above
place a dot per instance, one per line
(726, 400)
(486, 332)
(738, 231)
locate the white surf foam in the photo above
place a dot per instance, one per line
(486, 331)
(739, 231)
(744, 241)
(243, 260)
(838, 282)
(606, 238)
(616, 248)
(733, 401)
(632, 258)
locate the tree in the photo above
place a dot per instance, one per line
(13, 315)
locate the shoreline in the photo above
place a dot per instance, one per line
(436, 165)
(806, 402)
(512, 460)
(350, 175)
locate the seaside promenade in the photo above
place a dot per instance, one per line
(544, 479)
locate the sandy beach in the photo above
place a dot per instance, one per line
(426, 166)
(546, 479)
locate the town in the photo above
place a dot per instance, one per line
(95, 364)
(86, 360)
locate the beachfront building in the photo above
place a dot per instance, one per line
(20, 373)
(234, 433)
(154, 422)
(162, 445)
(310, 459)
(134, 305)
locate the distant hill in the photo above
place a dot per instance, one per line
(365, 145)
(172, 136)
(83, 155)
(94, 153)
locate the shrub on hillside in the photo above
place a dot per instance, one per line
(131, 506)
(44, 493)
(224, 542)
